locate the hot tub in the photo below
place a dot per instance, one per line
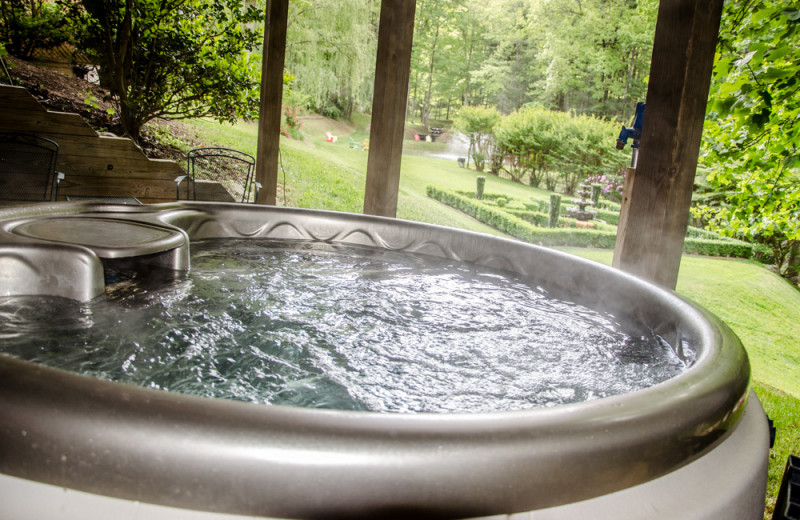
(694, 446)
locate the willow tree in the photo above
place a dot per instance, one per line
(330, 52)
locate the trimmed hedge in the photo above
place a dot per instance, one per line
(518, 228)
(609, 205)
(609, 217)
(542, 219)
(695, 232)
(728, 248)
(530, 227)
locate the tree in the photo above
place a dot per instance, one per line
(330, 50)
(505, 78)
(28, 26)
(469, 47)
(174, 58)
(477, 124)
(548, 145)
(753, 127)
(597, 54)
(433, 24)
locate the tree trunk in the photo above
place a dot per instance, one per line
(426, 112)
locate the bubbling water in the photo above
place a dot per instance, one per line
(341, 327)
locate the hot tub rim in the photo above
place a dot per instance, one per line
(698, 430)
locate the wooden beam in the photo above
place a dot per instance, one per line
(655, 209)
(392, 70)
(269, 115)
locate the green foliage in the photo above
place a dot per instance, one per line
(173, 58)
(596, 54)
(26, 26)
(480, 183)
(330, 50)
(477, 124)
(587, 56)
(555, 146)
(555, 211)
(525, 225)
(752, 132)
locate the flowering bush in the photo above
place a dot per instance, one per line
(612, 186)
(292, 122)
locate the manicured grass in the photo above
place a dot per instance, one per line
(315, 171)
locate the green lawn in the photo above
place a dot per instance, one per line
(332, 176)
(760, 307)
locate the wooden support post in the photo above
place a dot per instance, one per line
(658, 193)
(269, 115)
(392, 70)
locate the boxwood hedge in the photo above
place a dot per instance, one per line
(530, 225)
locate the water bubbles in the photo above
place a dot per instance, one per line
(327, 326)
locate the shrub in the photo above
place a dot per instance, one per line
(527, 225)
(480, 183)
(477, 124)
(555, 210)
(609, 217)
(549, 146)
(27, 26)
(727, 248)
(331, 111)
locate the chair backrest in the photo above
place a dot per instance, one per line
(27, 168)
(220, 174)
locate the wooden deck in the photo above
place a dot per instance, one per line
(94, 165)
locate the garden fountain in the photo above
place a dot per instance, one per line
(579, 211)
(72, 446)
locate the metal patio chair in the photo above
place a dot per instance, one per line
(28, 168)
(219, 174)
